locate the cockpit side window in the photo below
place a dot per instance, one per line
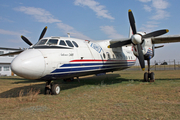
(42, 42)
(62, 43)
(69, 43)
(52, 42)
(75, 44)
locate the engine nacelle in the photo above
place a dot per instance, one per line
(147, 49)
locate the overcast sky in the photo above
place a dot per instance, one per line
(88, 19)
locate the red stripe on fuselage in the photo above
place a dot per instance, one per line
(100, 60)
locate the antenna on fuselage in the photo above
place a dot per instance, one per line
(69, 35)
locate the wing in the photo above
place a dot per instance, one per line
(119, 42)
(12, 53)
(166, 39)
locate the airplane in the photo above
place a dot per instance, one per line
(53, 58)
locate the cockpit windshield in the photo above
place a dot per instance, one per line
(47, 42)
(52, 42)
(42, 42)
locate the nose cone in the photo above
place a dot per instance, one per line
(29, 64)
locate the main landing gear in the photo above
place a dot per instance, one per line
(52, 89)
(149, 76)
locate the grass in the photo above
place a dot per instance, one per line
(118, 95)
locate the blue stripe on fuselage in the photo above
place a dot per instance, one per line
(90, 66)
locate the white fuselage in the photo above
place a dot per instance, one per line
(55, 60)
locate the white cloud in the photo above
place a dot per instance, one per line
(144, 1)
(160, 14)
(5, 20)
(68, 29)
(39, 14)
(96, 7)
(158, 7)
(160, 4)
(6, 32)
(149, 26)
(44, 16)
(147, 8)
(111, 32)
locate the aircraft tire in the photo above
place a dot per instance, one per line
(152, 78)
(146, 79)
(55, 89)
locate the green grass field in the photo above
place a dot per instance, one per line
(120, 96)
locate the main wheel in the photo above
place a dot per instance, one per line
(152, 78)
(146, 79)
(55, 89)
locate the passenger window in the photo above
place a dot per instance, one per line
(75, 44)
(42, 42)
(52, 42)
(108, 55)
(69, 43)
(62, 43)
(104, 55)
(113, 56)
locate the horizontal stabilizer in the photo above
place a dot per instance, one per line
(159, 46)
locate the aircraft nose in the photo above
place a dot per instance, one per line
(29, 64)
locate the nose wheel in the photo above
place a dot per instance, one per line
(149, 76)
(52, 89)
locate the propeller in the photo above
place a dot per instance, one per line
(137, 39)
(41, 36)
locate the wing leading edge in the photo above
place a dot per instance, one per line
(166, 39)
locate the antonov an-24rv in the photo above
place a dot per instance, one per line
(54, 58)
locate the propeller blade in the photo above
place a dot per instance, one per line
(132, 21)
(155, 33)
(26, 40)
(140, 57)
(43, 33)
(120, 44)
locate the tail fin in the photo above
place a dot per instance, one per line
(130, 32)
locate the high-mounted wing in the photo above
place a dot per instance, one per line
(12, 53)
(166, 39)
(119, 42)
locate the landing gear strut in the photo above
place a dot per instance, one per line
(149, 77)
(52, 89)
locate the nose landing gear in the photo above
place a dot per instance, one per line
(149, 77)
(52, 89)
